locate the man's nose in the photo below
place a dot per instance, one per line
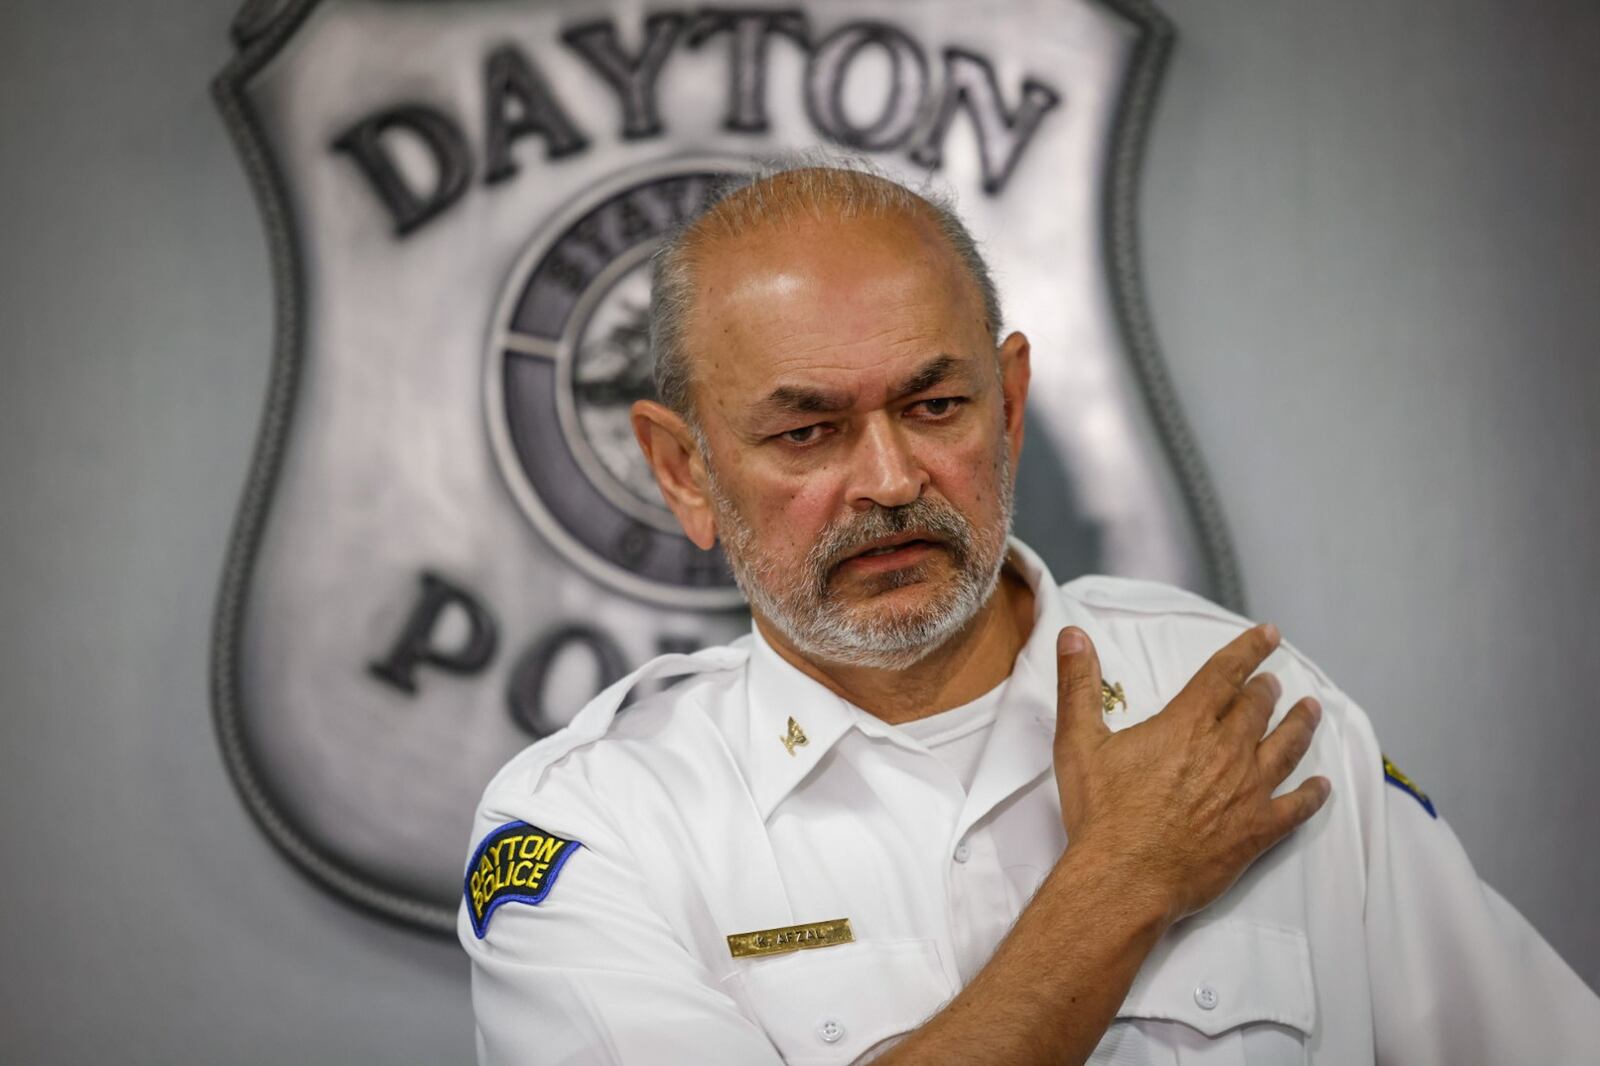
(884, 470)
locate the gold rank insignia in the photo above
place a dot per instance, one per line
(790, 938)
(796, 737)
(1111, 695)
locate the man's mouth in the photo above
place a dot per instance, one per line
(890, 553)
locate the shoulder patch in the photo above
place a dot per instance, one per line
(1393, 775)
(518, 862)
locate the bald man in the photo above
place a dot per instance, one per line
(937, 807)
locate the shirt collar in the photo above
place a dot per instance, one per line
(1054, 610)
(777, 691)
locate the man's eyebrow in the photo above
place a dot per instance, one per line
(801, 399)
(806, 400)
(931, 373)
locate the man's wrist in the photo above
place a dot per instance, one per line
(1056, 980)
(1123, 887)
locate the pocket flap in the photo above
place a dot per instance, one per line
(830, 1005)
(1215, 976)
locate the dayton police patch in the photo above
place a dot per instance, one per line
(1393, 775)
(517, 862)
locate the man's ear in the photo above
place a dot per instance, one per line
(668, 445)
(1015, 372)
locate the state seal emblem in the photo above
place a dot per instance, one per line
(570, 355)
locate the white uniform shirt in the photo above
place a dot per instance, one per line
(1365, 938)
(958, 736)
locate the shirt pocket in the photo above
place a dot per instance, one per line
(833, 1004)
(1232, 992)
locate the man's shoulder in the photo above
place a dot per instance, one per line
(1181, 623)
(654, 715)
(1107, 594)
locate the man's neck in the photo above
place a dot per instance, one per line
(972, 662)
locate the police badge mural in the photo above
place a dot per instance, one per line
(448, 541)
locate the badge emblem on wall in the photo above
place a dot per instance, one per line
(448, 541)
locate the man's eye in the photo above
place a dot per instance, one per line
(940, 406)
(803, 435)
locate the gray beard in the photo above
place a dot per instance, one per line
(804, 609)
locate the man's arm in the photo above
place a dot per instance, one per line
(1053, 985)
(593, 974)
(1161, 819)
(1457, 974)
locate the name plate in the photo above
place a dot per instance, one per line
(790, 938)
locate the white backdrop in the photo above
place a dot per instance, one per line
(1370, 233)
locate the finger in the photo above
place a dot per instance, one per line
(1285, 746)
(1293, 809)
(1251, 709)
(1078, 704)
(1217, 683)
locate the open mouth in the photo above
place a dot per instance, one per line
(890, 554)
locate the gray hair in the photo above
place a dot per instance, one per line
(815, 184)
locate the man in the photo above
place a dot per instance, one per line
(936, 807)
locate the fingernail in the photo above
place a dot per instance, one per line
(1275, 685)
(1315, 708)
(1270, 631)
(1070, 642)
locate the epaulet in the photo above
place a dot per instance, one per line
(594, 720)
(1105, 592)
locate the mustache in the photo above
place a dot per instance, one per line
(930, 518)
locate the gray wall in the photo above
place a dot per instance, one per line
(1372, 240)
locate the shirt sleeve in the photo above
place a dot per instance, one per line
(1457, 974)
(592, 973)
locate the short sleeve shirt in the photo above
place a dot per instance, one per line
(612, 862)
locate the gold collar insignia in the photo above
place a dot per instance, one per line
(796, 737)
(1110, 696)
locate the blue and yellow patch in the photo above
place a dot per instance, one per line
(517, 862)
(1393, 775)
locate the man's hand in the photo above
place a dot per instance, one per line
(1161, 819)
(1183, 801)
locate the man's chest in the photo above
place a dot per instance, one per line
(929, 885)
(883, 836)
(876, 837)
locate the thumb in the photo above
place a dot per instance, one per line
(1078, 706)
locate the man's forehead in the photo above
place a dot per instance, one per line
(810, 316)
(785, 246)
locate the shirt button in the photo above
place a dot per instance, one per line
(830, 1031)
(1206, 997)
(963, 853)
